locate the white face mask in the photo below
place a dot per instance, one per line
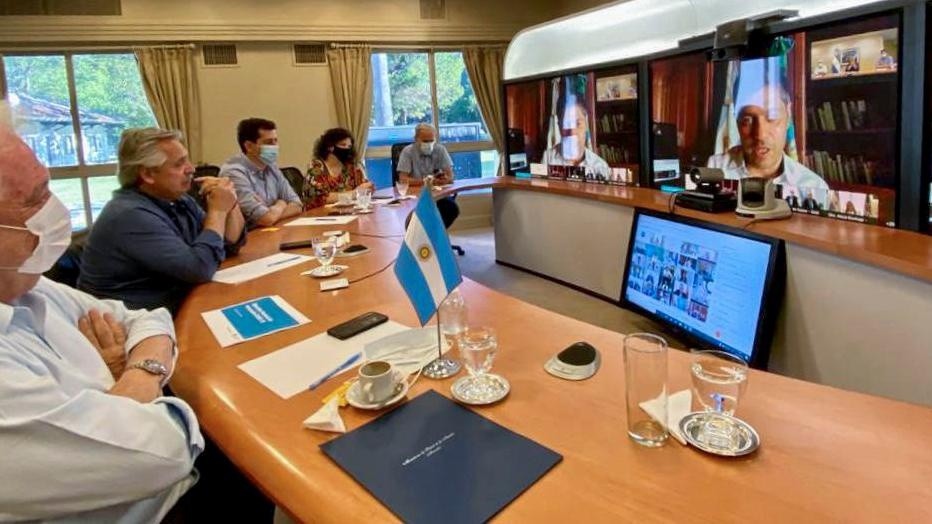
(570, 148)
(408, 350)
(427, 147)
(52, 224)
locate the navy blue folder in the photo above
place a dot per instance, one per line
(432, 460)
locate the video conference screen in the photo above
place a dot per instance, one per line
(813, 110)
(708, 283)
(580, 127)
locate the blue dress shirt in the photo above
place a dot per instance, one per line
(148, 252)
(257, 188)
(71, 451)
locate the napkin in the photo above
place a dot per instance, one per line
(327, 418)
(679, 405)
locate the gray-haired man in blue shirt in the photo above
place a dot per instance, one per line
(263, 191)
(153, 242)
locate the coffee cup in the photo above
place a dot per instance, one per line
(378, 381)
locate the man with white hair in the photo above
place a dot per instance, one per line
(153, 242)
(85, 431)
(425, 157)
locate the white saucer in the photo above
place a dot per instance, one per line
(319, 272)
(355, 398)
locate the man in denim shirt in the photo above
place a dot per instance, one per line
(153, 242)
(264, 193)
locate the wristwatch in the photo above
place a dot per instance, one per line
(152, 366)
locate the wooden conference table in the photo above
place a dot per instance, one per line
(826, 454)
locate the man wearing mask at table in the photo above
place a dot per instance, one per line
(85, 431)
(426, 157)
(264, 194)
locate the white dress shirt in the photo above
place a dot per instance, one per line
(70, 451)
(794, 173)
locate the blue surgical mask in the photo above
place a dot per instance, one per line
(269, 154)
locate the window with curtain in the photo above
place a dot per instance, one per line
(411, 87)
(71, 108)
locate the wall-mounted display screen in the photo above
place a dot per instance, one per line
(816, 111)
(580, 126)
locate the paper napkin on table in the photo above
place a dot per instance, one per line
(679, 405)
(327, 418)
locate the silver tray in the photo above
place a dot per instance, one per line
(747, 437)
(460, 392)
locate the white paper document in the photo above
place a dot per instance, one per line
(259, 268)
(322, 221)
(252, 319)
(294, 368)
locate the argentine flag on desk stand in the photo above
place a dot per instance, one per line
(426, 267)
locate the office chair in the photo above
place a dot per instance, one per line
(295, 178)
(396, 154)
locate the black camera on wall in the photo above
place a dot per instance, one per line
(734, 39)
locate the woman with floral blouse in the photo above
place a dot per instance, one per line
(333, 169)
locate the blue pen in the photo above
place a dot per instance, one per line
(338, 369)
(282, 261)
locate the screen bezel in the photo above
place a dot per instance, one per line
(771, 294)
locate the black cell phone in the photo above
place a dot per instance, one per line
(295, 244)
(353, 250)
(357, 325)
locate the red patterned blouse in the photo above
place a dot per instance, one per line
(320, 182)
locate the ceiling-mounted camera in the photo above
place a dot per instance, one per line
(733, 39)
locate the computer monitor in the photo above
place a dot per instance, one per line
(517, 161)
(717, 286)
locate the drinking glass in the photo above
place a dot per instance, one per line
(719, 379)
(363, 197)
(402, 186)
(325, 248)
(646, 385)
(451, 316)
(478, 346)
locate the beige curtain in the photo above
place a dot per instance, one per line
(170, 80)
(351, 76)
(485, 65)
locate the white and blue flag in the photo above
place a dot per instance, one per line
(426, 267)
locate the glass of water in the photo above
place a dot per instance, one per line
(452, 316)
(478, 346)
(325, 248)
(719, 380)
(363, 197)
(402, 186)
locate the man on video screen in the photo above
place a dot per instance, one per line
(572, 150)
(762, 120)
